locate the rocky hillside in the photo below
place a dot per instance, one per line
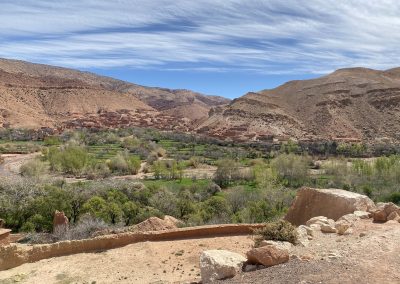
(349, 104)
(35, 95)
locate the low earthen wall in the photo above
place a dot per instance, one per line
(16, 254)
(4, 237)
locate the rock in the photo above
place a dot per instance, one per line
(281, 245)
(319, 220)
(350, 218)
(305, 257)
(332, 203)
(393, 216)
(324, 224)
(390, 208)
(302, 235)
(250, 267)
(379, 215)
(60, 221)
(348, 232)
(334, 255)
(315, 227)
(4, 237)
(268, 256)
(219, 264)
(328, 228)
(384, 210)
(363, 214)
(308, 230)
(342, 226)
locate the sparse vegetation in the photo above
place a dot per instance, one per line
(277, 231)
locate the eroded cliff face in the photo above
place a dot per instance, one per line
(358, 104)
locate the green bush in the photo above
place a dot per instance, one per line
(277, 231)
(33, 168)
(227, 172)
(124, 163)
(394, 197)
(70, 160)
(51, 141)
(293, 168)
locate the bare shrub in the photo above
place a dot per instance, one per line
(84, 229)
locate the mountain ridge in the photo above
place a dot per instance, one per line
(34, 95)
(357, 104)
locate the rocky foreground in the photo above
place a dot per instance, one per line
(360, 246)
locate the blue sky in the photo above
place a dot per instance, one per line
(218, 47)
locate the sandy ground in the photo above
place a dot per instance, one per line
(370, 255)
(149, 262)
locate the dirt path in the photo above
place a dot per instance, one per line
(370, 255)
(149, 262)
(13, 162)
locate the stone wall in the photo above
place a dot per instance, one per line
(17, 254)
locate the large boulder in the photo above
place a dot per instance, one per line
(331, 203)
(268, 255)
(219, 264)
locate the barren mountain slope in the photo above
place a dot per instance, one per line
(354, 103)
(27, 101)
(46, 94)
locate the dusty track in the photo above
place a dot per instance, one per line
(13, 162)
(372, 258)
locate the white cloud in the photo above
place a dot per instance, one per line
(273, 36)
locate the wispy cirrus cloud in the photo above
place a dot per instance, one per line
(273, 37)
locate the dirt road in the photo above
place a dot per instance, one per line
(370, 255)
(13, 162)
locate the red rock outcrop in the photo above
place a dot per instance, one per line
(60, 221)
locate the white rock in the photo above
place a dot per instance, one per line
(281, 245)
(219, 264)
(319, 220)
(315, 227)
(302, 236)
(350, 218)
(328, 228)
(309, 230)
(362, 214)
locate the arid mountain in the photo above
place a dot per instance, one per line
(349, 104)
(36, 95)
